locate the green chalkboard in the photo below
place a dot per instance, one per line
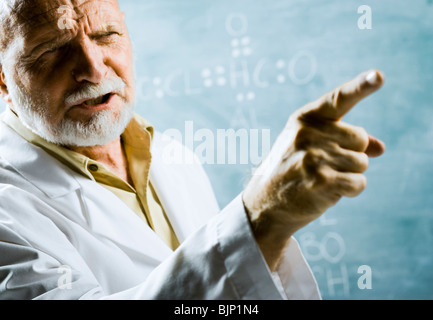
(205, 67)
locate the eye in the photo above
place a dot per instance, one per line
(54, 49)
(51, 50)
(107, 35)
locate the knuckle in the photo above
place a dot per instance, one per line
(359, 184)
(314, 156)
(304, 138)
(362, 182)
(317, 172)
(324, 176)
(335, 98)
(310, 162)
(356, 162)
(354, 137)
(362, 138)
(364, 161)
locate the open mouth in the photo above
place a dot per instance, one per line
(98, 101)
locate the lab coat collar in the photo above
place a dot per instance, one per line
(177, 195)
(35, 165)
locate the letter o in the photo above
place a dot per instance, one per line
(341, 247)
(313, 67)
(234, 31)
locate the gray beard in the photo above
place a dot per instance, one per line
(103, 128)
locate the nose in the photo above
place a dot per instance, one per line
(90, 65)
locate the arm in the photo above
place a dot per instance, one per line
(222, 261)
(315, 161)
(219, 261)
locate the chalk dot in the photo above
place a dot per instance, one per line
(208, 83)
(221, 81)
(281, 79)
(206, 73)
(251, 95)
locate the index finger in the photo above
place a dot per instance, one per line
(335, 104)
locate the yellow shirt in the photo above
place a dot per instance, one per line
(141, 197)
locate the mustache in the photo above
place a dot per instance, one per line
(92, 91)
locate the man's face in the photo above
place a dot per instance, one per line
(70, 68)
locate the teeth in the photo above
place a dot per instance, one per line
(94, 101)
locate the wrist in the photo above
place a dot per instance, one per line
(272, 236)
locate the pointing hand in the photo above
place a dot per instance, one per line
(316, 160)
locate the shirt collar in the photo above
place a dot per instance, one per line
(138, 135)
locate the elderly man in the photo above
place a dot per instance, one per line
(91, 209)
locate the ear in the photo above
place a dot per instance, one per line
(4, 93)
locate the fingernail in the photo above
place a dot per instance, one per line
(372, 78)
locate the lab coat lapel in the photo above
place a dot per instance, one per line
(182, 186)
(35, 165)
(80, 199)
(111, 218)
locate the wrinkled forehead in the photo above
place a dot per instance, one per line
(35, 13)
(28, 17)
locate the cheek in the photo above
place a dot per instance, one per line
(123, 67)
(46, 96)
(50, 79)
(52, 93)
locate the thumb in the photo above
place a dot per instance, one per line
(375, 147)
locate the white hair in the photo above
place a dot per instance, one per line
(8, 43)
(4, 11)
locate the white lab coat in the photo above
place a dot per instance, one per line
(63, 236)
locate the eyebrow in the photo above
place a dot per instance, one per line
(62, 40)
(107, 28)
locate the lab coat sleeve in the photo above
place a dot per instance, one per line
(223, 261)
(219, 261)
